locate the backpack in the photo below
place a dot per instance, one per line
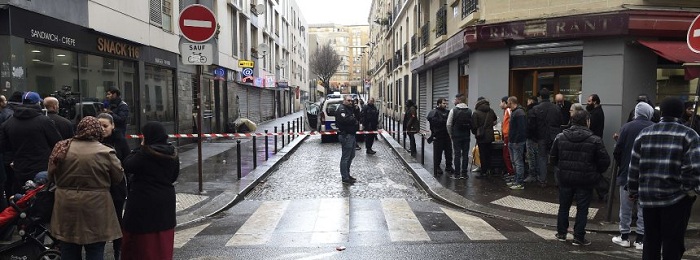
(462, 119)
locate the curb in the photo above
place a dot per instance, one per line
(439, 192)
(231, 197)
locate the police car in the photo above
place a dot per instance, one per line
(327, 118)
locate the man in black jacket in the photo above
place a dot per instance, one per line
(545, 122)
(441, 138)
(347, 127)
(118, 109)
(64, 126)
(597, 116)
(483, 120)
(517, 134)
(30, 136)
(370, 122)
(581, 158)
(565, 106)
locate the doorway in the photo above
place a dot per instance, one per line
(525, 83)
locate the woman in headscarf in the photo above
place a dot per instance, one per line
(149, 218)
(118, 190)
(83, 169)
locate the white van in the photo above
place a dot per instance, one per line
(327, 118)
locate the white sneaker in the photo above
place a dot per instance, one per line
(639, 245)
(511, 183)
(477, 169)
(622, 242)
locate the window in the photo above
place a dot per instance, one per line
(234, 31)
(161, 14)
(468, 7)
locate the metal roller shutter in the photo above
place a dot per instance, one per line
(441, 81)
(242, 94)
(254, 104)
(268, 105)
(423, 106)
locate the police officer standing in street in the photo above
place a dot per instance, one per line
(347, 127)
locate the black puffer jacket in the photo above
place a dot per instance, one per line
(580, 156)
(483, 119)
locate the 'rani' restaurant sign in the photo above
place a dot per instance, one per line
(573, 26)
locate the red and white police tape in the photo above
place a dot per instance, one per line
(247, 135)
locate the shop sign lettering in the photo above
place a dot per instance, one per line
(162, 61)
(117, 48)
(557, 27)
(52, 37)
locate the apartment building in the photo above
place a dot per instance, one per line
(491, 48)
(350, 42)
(79, 49)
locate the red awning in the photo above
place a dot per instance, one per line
(678, 52)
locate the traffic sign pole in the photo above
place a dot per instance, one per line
(693, 41)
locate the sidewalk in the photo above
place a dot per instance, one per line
(220, 186)
(491, 196)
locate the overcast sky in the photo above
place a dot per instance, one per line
(346, 12)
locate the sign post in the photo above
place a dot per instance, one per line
(198, 25)
(693, 41)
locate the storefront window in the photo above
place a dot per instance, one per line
(157, 96)
(671, 82)
(51, 71)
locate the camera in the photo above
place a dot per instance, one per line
(67, 99)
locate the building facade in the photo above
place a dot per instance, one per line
(350, 42)
(78, 49)
(494, 48)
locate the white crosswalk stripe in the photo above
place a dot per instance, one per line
(475, 228)
(328, 221)
(260, 226)
(403, 223)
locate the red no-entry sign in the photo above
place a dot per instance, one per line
(693, 38)
(197, 23)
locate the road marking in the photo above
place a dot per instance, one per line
(184, 200)
(259, 227)
(543, 233)
(538, 206)
(184, 236)
(332, 221)
(197, 23)
(402, 222)
(475, 228)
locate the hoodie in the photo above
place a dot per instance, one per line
(580, 156)
(483, 120)
(628, 133)
(30, 135)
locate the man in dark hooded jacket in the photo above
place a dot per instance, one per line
(118, 109)
(483, 120)
(581, 158)
(30, 135)
(544, 120)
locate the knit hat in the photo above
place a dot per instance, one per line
(504, 99)
(31, 98)
(672, 107)
(642, 109)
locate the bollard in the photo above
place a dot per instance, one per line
(398, 133)
(275, 139)
(266, 146)
(422, 149)
(283, 134)
(393, 128)
(238, 156)
(289, 129)
(404, 139)
(255, 152)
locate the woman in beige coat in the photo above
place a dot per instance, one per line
(83, 169)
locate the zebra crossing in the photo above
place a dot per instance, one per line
(351, 221)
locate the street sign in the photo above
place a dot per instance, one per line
(693, 38)
(246, 63)
(197, 53)
(219, 72)
(247, 72)
(197, 23)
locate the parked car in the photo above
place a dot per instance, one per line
(327, 118)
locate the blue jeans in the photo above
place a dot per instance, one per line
(94, 251)
(626, 206)
(583, 201)
(531, 146)
(347, 141)
(461, 152)
(516, 156)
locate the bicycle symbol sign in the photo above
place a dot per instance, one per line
(196, 53)
(247, 72)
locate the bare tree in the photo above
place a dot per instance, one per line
(324, 62)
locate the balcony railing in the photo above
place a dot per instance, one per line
(441, 21)
(468, 7)
(424, 34)
(414, 42)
